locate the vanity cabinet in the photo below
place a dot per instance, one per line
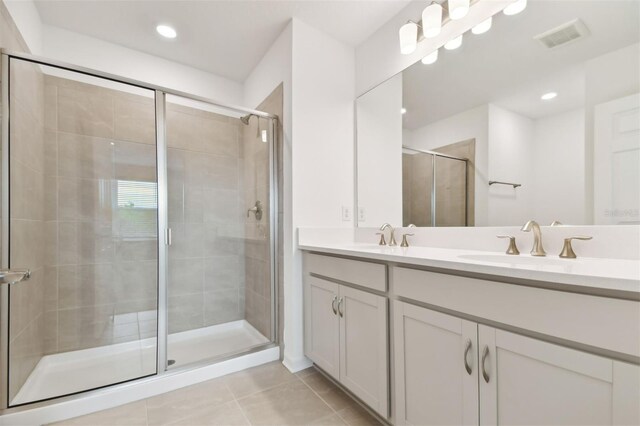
(436, 367)
(346, 336)
(529, 381)
(453, 371)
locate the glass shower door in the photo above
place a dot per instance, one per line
(220, 286)
(80, 207)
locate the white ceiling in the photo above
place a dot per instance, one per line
(507, 67)
(224, 37)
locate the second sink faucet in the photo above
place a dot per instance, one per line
(392, 237)
(537, 249)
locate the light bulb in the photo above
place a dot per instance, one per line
(403, 111)
(458, 9)
(432, 20)
(166, 31)
(430, 58)
(515, 7)
(454, 43)
(548, 96)
(482, 27)
(408, 38)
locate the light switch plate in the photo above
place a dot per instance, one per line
(361, 215)
(346, 214)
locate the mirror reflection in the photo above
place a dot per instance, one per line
(537, 118)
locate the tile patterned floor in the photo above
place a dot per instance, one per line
(265, 395)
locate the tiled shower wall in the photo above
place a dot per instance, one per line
(101, 256)
(27, 321)
(256, 178)
(206, 215)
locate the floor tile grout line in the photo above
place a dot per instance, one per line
(319, 396)
(263, 390)
(243, 412)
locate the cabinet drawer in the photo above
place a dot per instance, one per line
(601, 322)
(365, 274)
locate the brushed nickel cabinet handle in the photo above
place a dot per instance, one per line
(340, 307)
(467, 348)
(333, 305)
(485, 354)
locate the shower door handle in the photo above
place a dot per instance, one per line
(13, 276)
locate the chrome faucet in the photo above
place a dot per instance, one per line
(537, 249)
(392, 237)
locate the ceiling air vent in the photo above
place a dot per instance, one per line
(564, 34)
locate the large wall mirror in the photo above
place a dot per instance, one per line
(538, 118)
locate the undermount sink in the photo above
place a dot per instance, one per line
(517, 260)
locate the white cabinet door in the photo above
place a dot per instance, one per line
(363, 347)
(528, 381)
(321, 324)
(436, 367)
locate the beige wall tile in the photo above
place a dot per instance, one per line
(85, 111)
(85, 157)
(135, 161)
(135, 119)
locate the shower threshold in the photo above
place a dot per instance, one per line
(70, 372)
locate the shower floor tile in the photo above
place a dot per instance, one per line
(75, 371)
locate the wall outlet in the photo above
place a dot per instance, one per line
(346, 214)
(361, 215)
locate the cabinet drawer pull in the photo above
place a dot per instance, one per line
(340, 307)
(467, 348)
(485, 354)
(333, 305)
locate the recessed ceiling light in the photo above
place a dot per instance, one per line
(166, 31)
(403, 110)
(548, 96)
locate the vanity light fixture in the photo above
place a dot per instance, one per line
(548, 96)
(166, 31)
(431, 58)
(515, 7)
(454, 43)
(458, 9)
(482, 27)
(432, 20)
(403, 111)
(408, 38)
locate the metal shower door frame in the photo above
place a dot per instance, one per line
(163, 234)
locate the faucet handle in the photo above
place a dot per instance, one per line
(404, 242)
(513, 249)
(382, 242)
(567, 250)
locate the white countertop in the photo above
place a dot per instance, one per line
(595, 275)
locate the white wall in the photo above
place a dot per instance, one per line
(559, 175)
(470, 124)
(93, 53)
(26, 17)
(510, 160)
(323, 89)
(379, 58)
(379, 149)
(608, 77)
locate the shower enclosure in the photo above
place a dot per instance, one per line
(434, 189)
(146, 217)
